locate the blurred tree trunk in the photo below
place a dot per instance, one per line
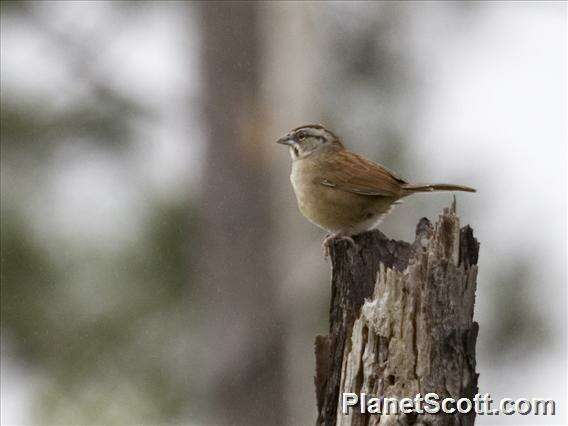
(401, 323)
(241, 323)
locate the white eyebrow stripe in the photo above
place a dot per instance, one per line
(313, 132)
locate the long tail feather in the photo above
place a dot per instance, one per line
(437, 187)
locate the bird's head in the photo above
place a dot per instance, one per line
(310, 139)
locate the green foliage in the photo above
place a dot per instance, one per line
(106, 330)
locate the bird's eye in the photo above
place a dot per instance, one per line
(301, 136)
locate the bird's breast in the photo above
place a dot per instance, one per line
(330, 208)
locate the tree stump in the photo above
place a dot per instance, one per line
(401, 323)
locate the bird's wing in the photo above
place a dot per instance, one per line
(350, 172)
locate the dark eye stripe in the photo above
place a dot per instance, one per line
(302, 135)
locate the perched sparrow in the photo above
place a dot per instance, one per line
(340, 191)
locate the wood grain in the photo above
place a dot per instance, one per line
(401, 322)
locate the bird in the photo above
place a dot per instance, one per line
(342, 192)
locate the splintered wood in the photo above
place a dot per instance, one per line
(401, 323)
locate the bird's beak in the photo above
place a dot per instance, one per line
(286, 140)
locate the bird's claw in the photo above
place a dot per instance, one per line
(331, 237)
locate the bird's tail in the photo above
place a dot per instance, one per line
(437, 187)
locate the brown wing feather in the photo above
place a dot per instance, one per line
(350, 172)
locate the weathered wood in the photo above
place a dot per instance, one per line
(401, 322)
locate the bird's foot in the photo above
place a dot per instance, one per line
(332, 237)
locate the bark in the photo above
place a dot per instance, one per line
(401, 323)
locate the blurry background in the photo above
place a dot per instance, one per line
(155, 268)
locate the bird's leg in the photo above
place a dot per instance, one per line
(335, 236)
